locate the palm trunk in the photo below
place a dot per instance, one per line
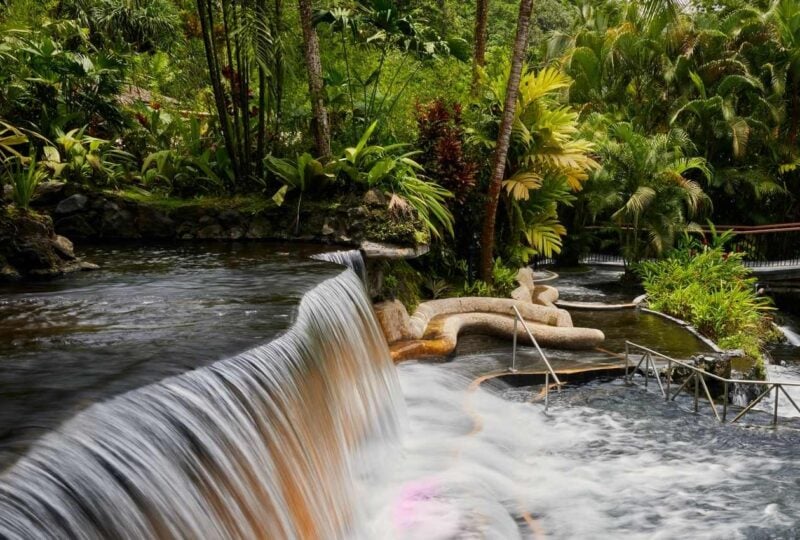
(322, 134)
(479, 59)
(795, 111)
(504, 139)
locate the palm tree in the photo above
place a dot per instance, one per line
(322, 133)
(481, 21)
(785, 16)
(650, 177)
(504, 138)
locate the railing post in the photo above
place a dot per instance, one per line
(725, 403)
(546, 390)
(514, 350)
(775, 413)
(696, 390)
(627, 363)
(669, 378)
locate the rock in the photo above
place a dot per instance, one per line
(47, 193)
(153, 223)
(235, 233)
(230, 217)
(63, 246)
(376, 250)
(327, 230)
(544, 295)
(210, 232)
(118, 222)
(30, 247)
(9, 273)
(72, 204)
(393, 318)
(521, 293)
(525, 277)
(374, 197)
(259, 228)
(75, 226)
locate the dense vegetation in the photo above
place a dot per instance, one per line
(521, 128)
(712, 290)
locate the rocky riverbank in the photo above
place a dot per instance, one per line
(30, 247)
(83, 214)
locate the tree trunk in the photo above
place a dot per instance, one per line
(504, 138)
(479, 58)
(322, 134)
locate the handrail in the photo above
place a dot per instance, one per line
(698, 376)
(513, 368)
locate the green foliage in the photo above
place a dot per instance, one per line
(85, 159)
(23, 174)
(394, 172)
(53, 78)
(715, 292)
(504, 281)
(548, 159)
(402, 282)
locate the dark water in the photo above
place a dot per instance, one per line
(147, 314)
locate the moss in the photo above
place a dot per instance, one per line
(250, 204)
(381, 226)
(402, 282)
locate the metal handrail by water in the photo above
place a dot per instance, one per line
(550, 371)
(698, 376)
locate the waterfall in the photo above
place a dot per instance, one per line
(350, 258)
(262, 445)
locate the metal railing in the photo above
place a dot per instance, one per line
(550, 371)
(698, 377)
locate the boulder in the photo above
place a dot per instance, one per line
(118, 222)
(525, 277)
(30, 247)
(72, 204)
(153, 223)
(63, 246)
(75, 226)
(521, 293)
(393, 318)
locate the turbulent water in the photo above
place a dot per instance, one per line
(263, 445)
(606, 461)
(316, 435)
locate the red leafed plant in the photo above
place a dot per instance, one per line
(441, 140)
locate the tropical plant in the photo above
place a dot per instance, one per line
(305, 173)
(383, 26)
(504, 138)
(442, 141)
(546, 160)
(46, 85)
(82, 158)
(393, 171)
(655, 196)
(145, 25)
(715, 292)
(23, 174)
(240, 46)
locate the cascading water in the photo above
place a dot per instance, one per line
(350, 258)
(266, 444)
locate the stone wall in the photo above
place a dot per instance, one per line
(83, 214)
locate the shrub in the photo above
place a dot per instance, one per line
(441, 141)
(23, 175)
(715, 292)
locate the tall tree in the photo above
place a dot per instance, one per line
(504, 138)
(479, 59)
(322, 132)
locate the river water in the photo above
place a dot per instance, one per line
(243, 391)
